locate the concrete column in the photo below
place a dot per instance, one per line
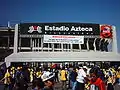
(38, 45)
(48, 47)
(62, 46)
(31, 44)
(19, 44)
(42, 44)
(16, 39)
(80, 47)
(94, 44)
(53, 47)
(114, 44)
(87, 44)
(71, 47)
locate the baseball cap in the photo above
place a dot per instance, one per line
(47, 75)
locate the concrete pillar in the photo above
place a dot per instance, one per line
(80, 47)
(16, 39)
(114, 44)
(62, 46)
(87, 44)
(71, 47)
(42, 44)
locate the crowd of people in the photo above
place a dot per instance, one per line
(80, 77)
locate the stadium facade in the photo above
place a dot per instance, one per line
(63, 42)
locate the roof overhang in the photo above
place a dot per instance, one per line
(61, 57)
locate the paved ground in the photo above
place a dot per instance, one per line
(58, 87)
(117, 87)
(1, 86)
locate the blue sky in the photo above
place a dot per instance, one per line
(83, 11)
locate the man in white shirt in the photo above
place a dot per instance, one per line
(81, 78)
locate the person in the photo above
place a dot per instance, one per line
(110, 82)
(20, 82)
(37, 84)
(96, 83)
(118, 75)
(48, 79)
(63, 78)
(56, 75)
(73, 76)
(7, 80)
(81, 78)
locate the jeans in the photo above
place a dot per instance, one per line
(118, 80)
(73, 85)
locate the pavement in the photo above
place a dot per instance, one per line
(1, 86)
(117, 87)
(58, 87)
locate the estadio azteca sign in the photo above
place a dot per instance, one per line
(59, 28)
(54, 28)
(64, 28)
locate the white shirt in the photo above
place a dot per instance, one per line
(81, 75)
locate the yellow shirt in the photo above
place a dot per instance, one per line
(31, 76)
(118, 74)
(38, 74)
(110, 80)
(63, 75)
(7, 78)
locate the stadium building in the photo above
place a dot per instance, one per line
(60, 43)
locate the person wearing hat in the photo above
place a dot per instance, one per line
(48, 79)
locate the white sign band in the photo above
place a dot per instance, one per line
(66, 39)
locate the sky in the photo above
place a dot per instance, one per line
(43, 11)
